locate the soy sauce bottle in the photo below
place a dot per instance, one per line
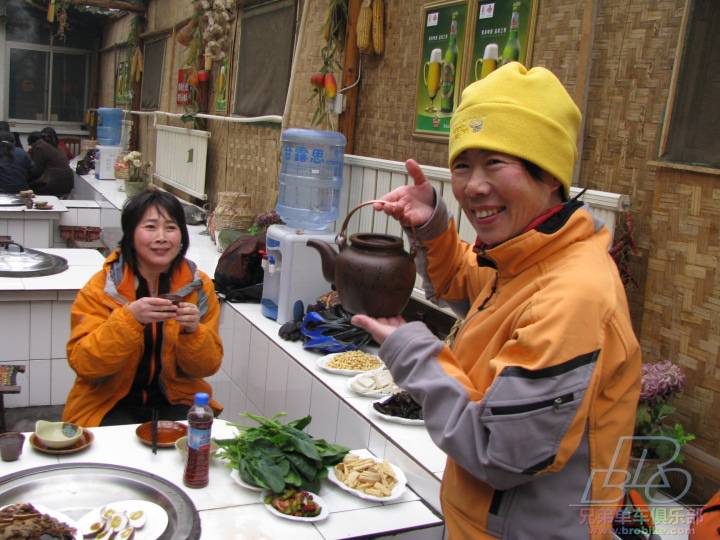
(200, 418)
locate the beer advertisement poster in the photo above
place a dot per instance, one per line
(440, 75)
(183, 96)
(123, 87)
(502, 31)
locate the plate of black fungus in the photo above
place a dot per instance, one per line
(400, 408)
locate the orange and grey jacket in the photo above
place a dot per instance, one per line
(106, 342)
(533, 400)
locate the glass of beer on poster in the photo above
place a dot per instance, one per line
(502, 32)
(439, 81)
(431, 75)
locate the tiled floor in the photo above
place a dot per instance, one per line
(24, 418)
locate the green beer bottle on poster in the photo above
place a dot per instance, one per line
(511, 50)
(449, 68)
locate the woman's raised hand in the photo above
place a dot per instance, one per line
(411, 205)
(188, 316)
(152, 309)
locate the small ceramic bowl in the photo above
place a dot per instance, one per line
(57, 434)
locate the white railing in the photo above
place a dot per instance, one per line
(369, 178)
(180, 158)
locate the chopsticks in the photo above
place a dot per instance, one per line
(154, 430)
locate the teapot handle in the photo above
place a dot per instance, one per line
(341, 238)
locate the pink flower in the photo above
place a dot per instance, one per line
(661, 381)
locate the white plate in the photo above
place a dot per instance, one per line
(57, 515)
(156, 518)
(372, 393)
(235, 475)
(396, 493)
(322, 515)
(395, 419)
(323, 360)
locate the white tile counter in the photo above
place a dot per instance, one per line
(265, 374)
(36, 325)
(32, 228)
(228, 510)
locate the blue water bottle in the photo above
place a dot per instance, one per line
(311, 176)
(109, 128)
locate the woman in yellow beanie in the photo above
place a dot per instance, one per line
(534, 399)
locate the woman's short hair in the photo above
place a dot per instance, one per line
(34, 137)
(50, 135)
(133, 212)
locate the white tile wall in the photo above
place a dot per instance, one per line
(277, 372)
(352, 429)
(257, 372)
(235, 405)
(41, 328)
(39, 233)
(88, 217)
(240, 363)
(324, 412)
(423, 483)
(15, 331)
(39, 382)
(70, 217)
(297, 396)
(60, 328)
(61, 380)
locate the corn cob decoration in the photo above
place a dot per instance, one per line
(364, 27)
(378, 38)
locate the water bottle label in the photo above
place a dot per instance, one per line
(198, 438)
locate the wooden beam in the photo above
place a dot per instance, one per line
(111, 4)
(351, 63)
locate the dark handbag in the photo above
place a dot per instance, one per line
(239, 273)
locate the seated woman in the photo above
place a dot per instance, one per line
(50, 135)
(132, 350)
(52, 174)
(15, 165)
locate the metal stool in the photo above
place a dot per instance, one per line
(8, 385)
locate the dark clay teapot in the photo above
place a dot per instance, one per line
(372, 274)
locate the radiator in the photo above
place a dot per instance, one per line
(180, 157)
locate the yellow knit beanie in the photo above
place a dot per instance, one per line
(525, 113)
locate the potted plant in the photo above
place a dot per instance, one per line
(655, 442)
(137, 173)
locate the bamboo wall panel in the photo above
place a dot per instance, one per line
(117, 32)
(106, 93)
(252, 164)
(682, 303)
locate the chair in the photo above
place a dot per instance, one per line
(72, 144)
(8, 385)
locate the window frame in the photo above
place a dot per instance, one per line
(51, 49)
(164, 39)
(236, 57)
(662, 159)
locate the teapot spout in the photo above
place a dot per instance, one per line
(327, 256)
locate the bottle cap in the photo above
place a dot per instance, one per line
(491, 52)
(201, 398)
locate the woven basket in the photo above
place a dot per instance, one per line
(122, 173)
(233, 211)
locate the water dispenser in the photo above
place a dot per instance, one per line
(292, 271)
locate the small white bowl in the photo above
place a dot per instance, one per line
(57, 435)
